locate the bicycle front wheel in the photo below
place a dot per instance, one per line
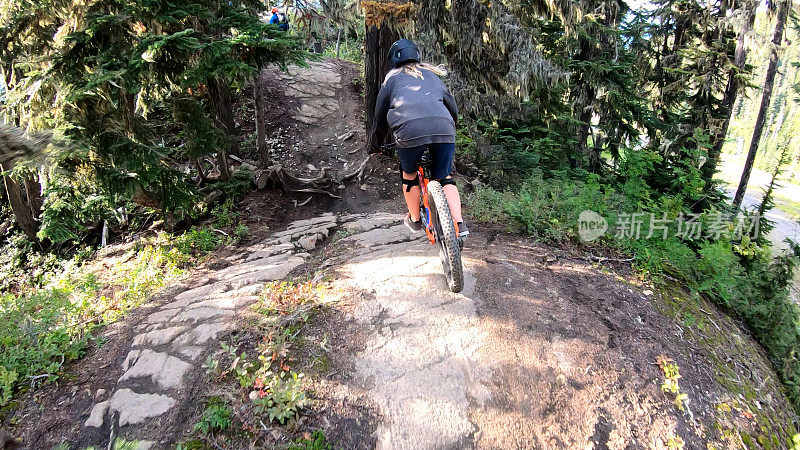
(446, 237)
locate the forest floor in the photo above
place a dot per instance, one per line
(544, 348)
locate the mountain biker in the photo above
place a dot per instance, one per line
(275, 19)
(414, 103)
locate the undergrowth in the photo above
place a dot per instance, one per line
(739, 274)
(43, 329)
(51, 307)
(259, 370)
(348, 51)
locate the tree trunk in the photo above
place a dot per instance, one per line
(33, 191)
(22, 210)
(338, 39)
(731, 92)
(766, 96)
(220, 96)
(261, 132)
(376, 51)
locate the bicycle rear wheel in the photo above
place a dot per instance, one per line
(446, 237)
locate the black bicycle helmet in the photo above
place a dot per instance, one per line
(402, 52)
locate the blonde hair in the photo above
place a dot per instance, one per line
(413, 69)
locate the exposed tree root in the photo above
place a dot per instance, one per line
(277, 176)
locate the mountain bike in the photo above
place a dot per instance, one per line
(438, 223)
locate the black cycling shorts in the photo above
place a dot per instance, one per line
(441, 155)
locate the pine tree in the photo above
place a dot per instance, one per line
(693, 68)
(777, 38)
(768, 202)
(138, 87)
(738, 77)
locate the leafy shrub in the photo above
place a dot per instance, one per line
(280, 396)
(507, 152)
(284, 297)
(216, 417)
(23, 266)
(237, 185)
(70, 204)
(349, 51)
(275, 392)
(241, 231)
(38, 334)
(41, 329)
(488, 205)
(198, 241)
(545, 208)
(224, 214)
(152, 267)
(317, 441)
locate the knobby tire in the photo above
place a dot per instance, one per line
(446, 237)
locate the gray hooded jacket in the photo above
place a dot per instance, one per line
(418, 111)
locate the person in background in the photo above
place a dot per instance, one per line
(278, 18)
(283, 22)
(274, 20)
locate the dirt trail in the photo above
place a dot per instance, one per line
(420, 363)
(542, 349)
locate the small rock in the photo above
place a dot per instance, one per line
(311, 167)
(133, 355)
(363, 187)
(97, 416)
(100, 393)
(308, 242)
(341, 186)
(648, 292)
(166, 370)
(135, 408)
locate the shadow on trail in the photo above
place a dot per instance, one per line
(538, 351)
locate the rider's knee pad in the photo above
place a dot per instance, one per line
(445, 181)
(410, 183)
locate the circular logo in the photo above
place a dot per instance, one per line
(591, 225)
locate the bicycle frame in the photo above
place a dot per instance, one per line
(426, 218)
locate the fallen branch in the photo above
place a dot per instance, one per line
(221, 232)
(603, 259)
(249, 165)
(33, 378)
(277, 176)
(296, 205)
(347, 136)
